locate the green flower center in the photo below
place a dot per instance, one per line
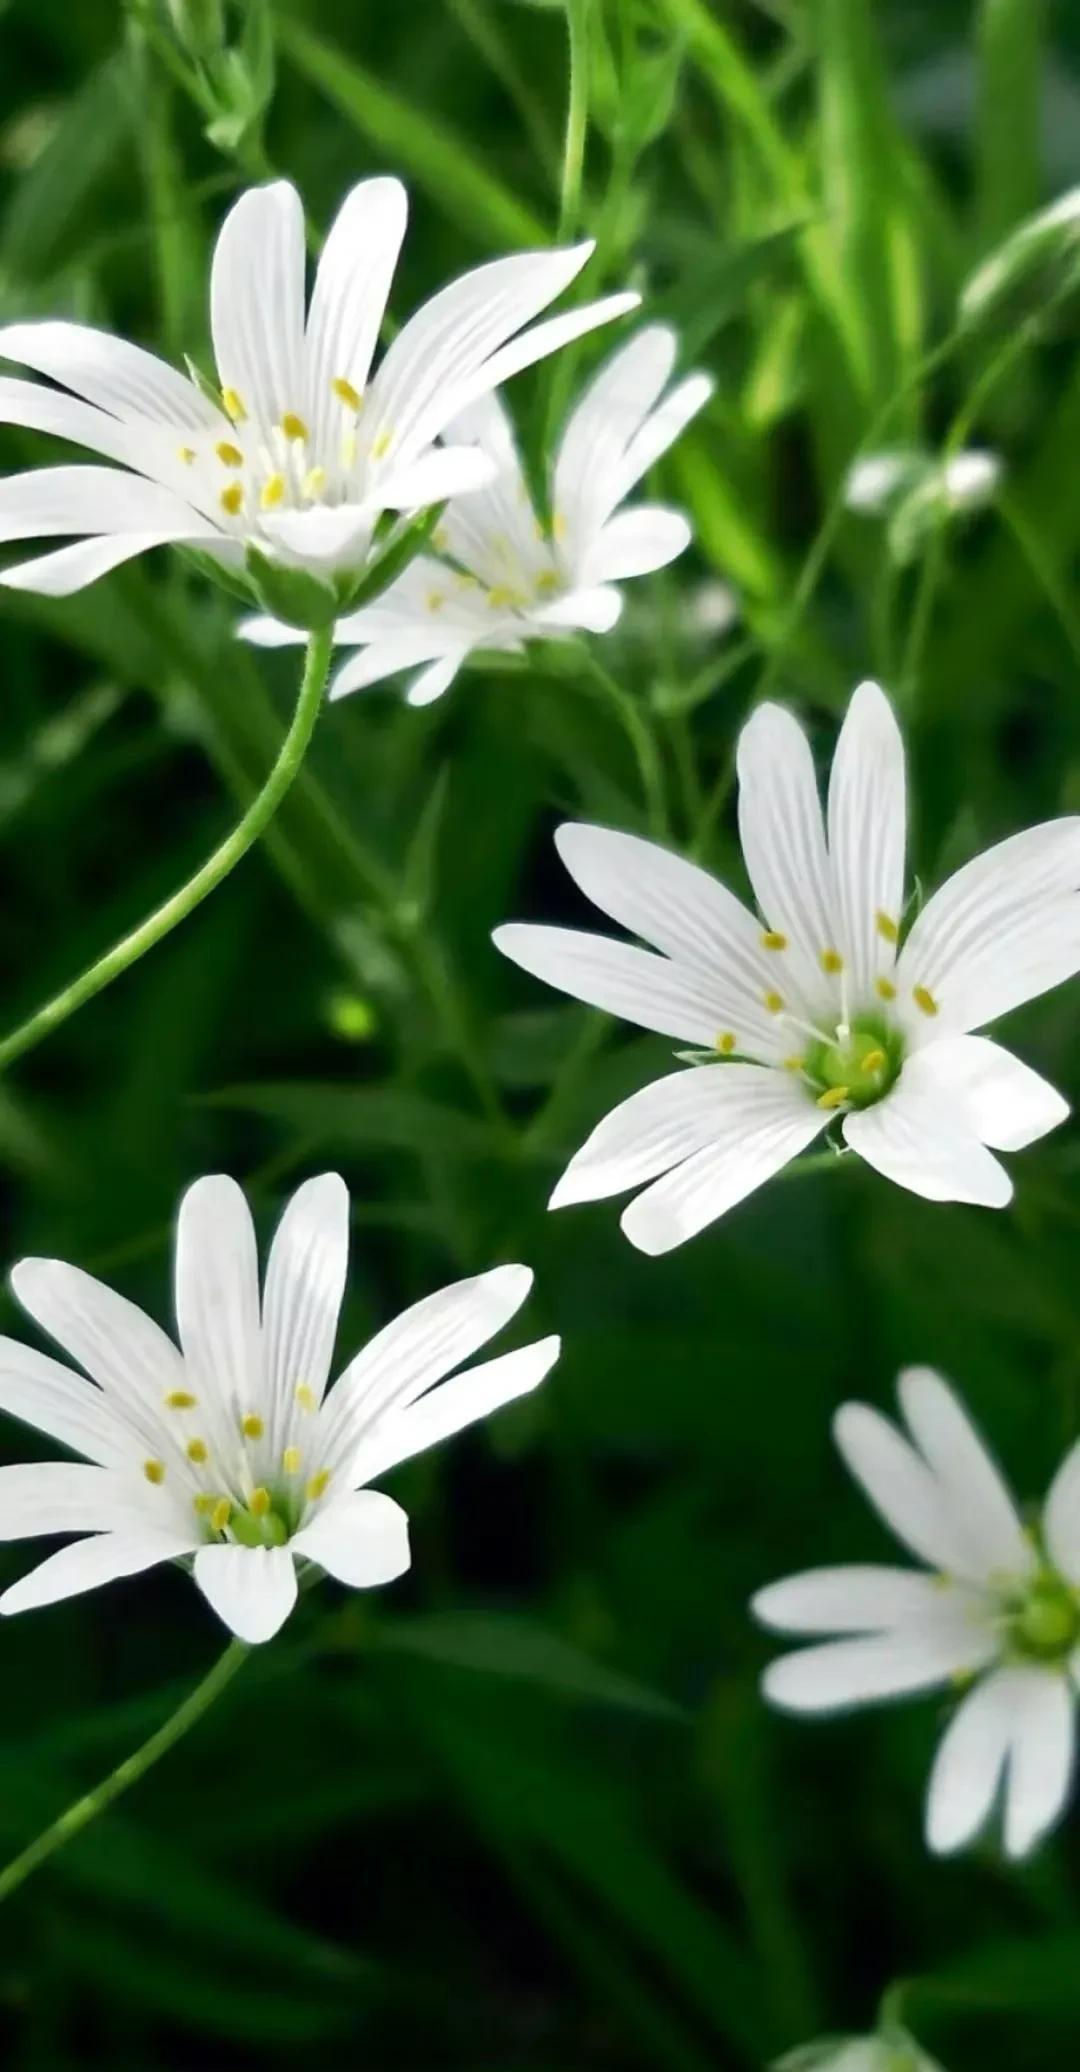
(1044, 1622)
(859, 1066)
(258, 1528)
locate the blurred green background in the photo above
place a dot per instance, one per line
(525, 1812)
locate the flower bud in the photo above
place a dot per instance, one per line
(889, 2050)
(962, 484)
(199, 25)
(1036, 265)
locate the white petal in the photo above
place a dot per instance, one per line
(918, 1137)
(841, 1673)
(62, 1404)
(763, 1120)
(389, 656)
(117, 1343)
(40, 409)
(48, 502)
(89, 1563)
(646, 1135)
(975, 1493)
(361, 1539)
(1003, 1102)
(61, 1496)
(70, 569)
(323, 537)
(849, 1600)
(902, 1488)
(305, 1283)
(349, 298)
(541, 341)
(1061, 1517)
(636, 542)
(590, 463)
(134, 385)
(969, 1763)
(1002, 930)
(257, 303)
(632, 983)
(867, 833)
(433, 681)
(252, 1589)
(450, 1407)
(413, 1352)
(663, 427)
(783, 841)
(217, 1298)
(262, 631)
(444, 472)
(1041, 1756)
(594, 611)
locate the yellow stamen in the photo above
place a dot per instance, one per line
(252, 1426)
(221, 1514)
(229, 455)
(435, 600)
(793, 1064)
(440, 538)
(318, 1485)
(500, 597)
(186, 454)
(180, 1399)
(348, 450)
(293, 426)
(774, 1002)
(259, 1502)
(305, 1396)
(154, 1470)
(831, 961)
(725, 1042)
(346, 393)
(547, 582)
(204, 1503)
(833, 1097)
(771, 939)
(924, 999)
(291, 1460)
(558, 526)
(196, 1451)
(234, 405)
(886, 926)
(381, 446)
(232, 499)
(314, 483)
(273, 490)
(884, 989)
(874, 1060)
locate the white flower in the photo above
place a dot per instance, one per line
(817, 1013)
(305, 448)
(964, 482)
(998, 1603)
(506, 579)
(891, 2050)
(230, 1450)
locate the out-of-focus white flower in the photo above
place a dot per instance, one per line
(996, 1603)
(889, 2050)
(875, 481)
(817, 1012)
(301, 449)
(229, 1453)
(505, 578)
(714, 608)
(881, 481)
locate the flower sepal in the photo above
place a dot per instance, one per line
(293, 595)
(392, 554)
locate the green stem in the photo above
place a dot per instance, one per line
(577, 119)
(641, 739)
(217, 867)
(82, 1811)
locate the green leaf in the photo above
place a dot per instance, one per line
(494, 1644)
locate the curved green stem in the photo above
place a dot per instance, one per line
(641, 739)
(82, 1811)
(168, 916)
(577, 119)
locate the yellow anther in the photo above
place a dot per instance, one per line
(440, 538)
(924, 999)
(884, 989)
(291, 1460)
(774, 1002)
(196, 1451)
(234, 405)
(831, 961)
(725, 1042)
(318, 1485)
(252, 1426)
(435, 600)
(232, 499)
(180, 1399)
(348, 450)
(273, 490)
(886, 926)
(293, 426)
(771, 939)
(204, 1503)
(259, 1502)
(500, 596)
(229, 455)
(547, 582)
(313, 484)
(186, 454)
(833, 1097)
(558, 526)
(305, 1396)
(346, 393)
(381, 446)
(874, 1060)
(793, 1064)
(221, 1514)
(154, 1470)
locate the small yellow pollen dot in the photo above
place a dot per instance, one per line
(500, 596)
(204, 1503)
(259, 1502)
(558, 526)
(186, 454)
(273, 490)
(874, 1060)
(251, 1426)
(305, 1396)
(886, 926)
(793, 1064)
(435, 600)
(547, 582)
(831, 961)
(924, 999)
(725, 1042)
(833, 1097)
(314, 483)
(771, 939)
(346, 393)
(180, 1399)
(229, 455)
(884, 989)
(774, 1002)
(234, 405)
(293, 426)
(154, 1470)
(318, 1485)
(440, 538)
(291, 1460)
(381, 446)
(232, 499)
(196, 1451)
(221, 1514)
